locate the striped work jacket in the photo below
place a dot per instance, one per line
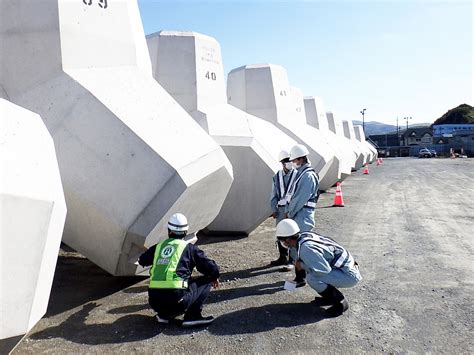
(338, 255)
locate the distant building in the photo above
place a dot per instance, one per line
(418, 136)
(385, 140)
(403, 144)
(443, 138)
(440, 140)
(409, 142)
(446, 129)
(464, 139)
(388, 145)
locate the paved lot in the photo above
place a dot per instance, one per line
(410, 225)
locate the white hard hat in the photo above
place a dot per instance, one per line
(283, 155)
(178, 223)
(286, 228)
(298, 151)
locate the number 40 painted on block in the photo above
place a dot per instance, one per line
(211, 76)
(102, 3)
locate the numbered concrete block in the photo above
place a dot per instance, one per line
(32, 215)
(360, 136)
(350, 134)
(263, 90)
(128, 153)
(189, 66)
(335, 126)
(333, 172)
(316, 117)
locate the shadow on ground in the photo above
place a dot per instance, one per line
(241, 292)
(129, 328)
(135, 327)
(246, 273)
(73, 271)
(206, 237)
(225, 276)
(265, 318)
(258, 319)
(216, 296)
(136, 289)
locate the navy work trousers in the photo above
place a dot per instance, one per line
(170, 303)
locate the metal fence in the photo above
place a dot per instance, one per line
(441, 149)
(464, 147)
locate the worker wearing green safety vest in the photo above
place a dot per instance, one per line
(171, 290)
(166, 258)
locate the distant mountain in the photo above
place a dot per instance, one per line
(376, 127)
(382, 128)
(462, 114)
(402, 129)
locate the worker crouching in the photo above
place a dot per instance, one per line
(172, 291)
(327, 264)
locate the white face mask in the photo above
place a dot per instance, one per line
(296, 165)
(288, 166)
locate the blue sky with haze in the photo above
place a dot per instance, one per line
(394, 58)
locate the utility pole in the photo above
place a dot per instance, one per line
(406, 132)
(363, 119)
(398, 134)
(407, 118)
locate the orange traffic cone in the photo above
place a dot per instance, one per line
(378, 162)
(381, 160)
(366, 170)
(338, 200)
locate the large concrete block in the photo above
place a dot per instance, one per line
(350, 134)
(373, 149)
(263, 90)
(335, 126)
(316, 117)
(129, 155)
(360, 136)
(32, 218)
(189, 66)
(333, 172)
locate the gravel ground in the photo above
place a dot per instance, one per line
(410, 225)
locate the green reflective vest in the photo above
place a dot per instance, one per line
(163, 272)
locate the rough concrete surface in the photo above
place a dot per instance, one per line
(410, 226)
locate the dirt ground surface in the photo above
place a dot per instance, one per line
(410, 226)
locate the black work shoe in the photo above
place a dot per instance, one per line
(279, 262)
(288, 267)
(196, 321)
(300, 282)
(321, 301)
(338, 308)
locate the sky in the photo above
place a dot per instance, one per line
(393, 58)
